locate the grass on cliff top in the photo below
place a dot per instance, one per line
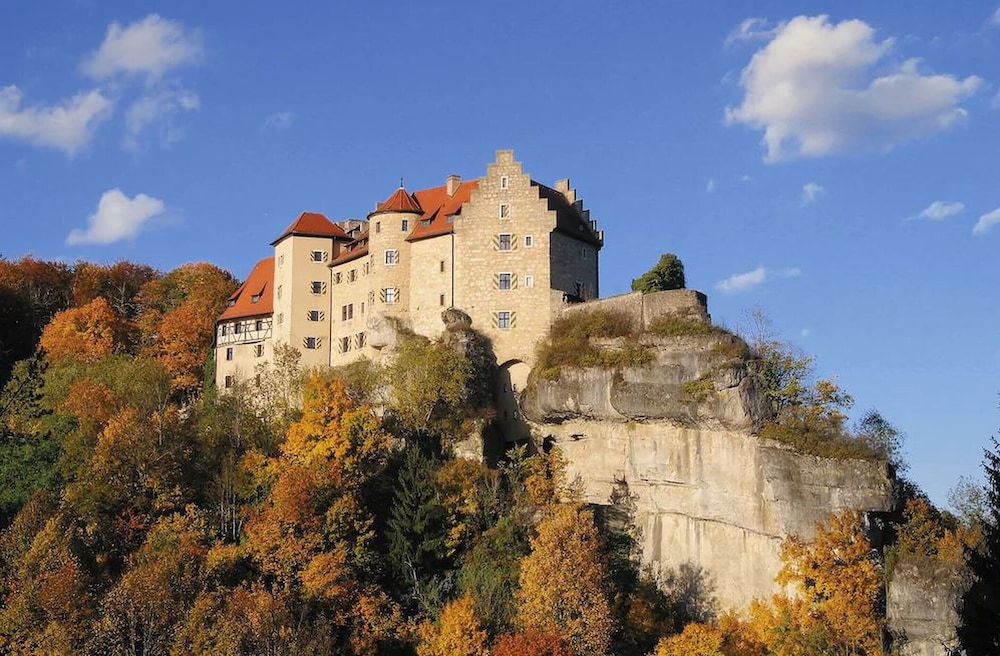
(569, 343)
(811, 437)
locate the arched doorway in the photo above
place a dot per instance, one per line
(512, 377)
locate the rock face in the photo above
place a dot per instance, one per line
(679, 432)
(921, 610)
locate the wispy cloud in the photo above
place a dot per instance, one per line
(995, 18)
(750, 29)
(117, 217)
(68, 125)
(746, 177)
(986, 222)
(811, 191)
(710, 187)
(278, 121)
(940, 210)
(149, 47)
(818, 88)
(741, 282)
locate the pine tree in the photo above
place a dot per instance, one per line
(979, 632)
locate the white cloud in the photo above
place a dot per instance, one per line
(67, 126)
(751, 29)
(710, 187)
(805, 332)
(150, 47)
(939, 210)
(814, 91)
(158, 108)
(986, 222)
(995, 18)
(811, 191)
(117, 217)
(995, 103)
(278, 121)
(746, 177)
(741, 282)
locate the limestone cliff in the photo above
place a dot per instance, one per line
(680, 432)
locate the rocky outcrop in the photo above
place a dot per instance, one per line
(921, 609)
(679, 432)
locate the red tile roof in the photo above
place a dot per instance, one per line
(438, 206)
(353, 250)
(257, 285)
(399, 201)
(312, 224)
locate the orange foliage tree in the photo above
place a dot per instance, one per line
(530, 643)
(457, 632)
(84, 334)
(564, 582)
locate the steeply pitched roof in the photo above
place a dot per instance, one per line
(399, 201)
(438, 207)
(312, 224)
(569, 220)
(257, 286)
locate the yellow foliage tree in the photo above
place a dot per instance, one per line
(564, 582)
(457, 633)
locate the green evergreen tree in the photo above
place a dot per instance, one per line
(668, 273)
(417, 531)
(979, 631)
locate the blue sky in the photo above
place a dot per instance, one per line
(834, 164)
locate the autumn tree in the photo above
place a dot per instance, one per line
(119, 284)
(84, 334)
(563, 582)
(667, 273)
(530, 643)
(490, 572)
(979, 630)
(456, 633)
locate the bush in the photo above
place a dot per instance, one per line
(569, 343)
(668, 273)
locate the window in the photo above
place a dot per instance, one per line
(371, 297)
(352, 275)
(504, 211)
(366, 269)
(426, 223)
(583, 253)
(318, 256)
(237, 328)
(229, 381)
(314, 315)
(503, 281)
(390, 295)
(255, 298)
(336, 278)
(504, 182)
(362, 307)
(504, 320)
(360, 340)
(378, 227)
(406, 225)
(279, 292)
(258, 350)
(311, 342)
(441, 266)
(229, 353)
(224, 329)
(504, 242)
(258, 325)
(529, 281)
(578, 289)
(281, 318)
(442, 300)
(529, 241)
(281, 260)
(347, 312)
(344, 344)
(391, 257)
(317, 287)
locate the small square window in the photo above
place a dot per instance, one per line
(229, 381)
(229, 353)
(237, 328)
(391, 257)
(391, 294)
(316, 287)
(504, 211)
(360, 340)
(529, 241)
(336, 278)
(258, 325)
(347, 312)
(314, 315)
(504, 182)
(311, 342)
(318, 256)
(503, 281)
(406, 225)
(503, 320)
(505, 242)
(345, 344)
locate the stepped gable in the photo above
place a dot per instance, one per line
(352, 250)
(438, 207)
(312, 224)
(254, 297)
(399, 201)
(570, 220)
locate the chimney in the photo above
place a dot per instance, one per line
(453, 182)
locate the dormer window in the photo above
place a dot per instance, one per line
(255, 298)
(426, 223)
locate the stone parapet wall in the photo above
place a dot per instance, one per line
(645, 309)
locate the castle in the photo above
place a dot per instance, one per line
(507, 250)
